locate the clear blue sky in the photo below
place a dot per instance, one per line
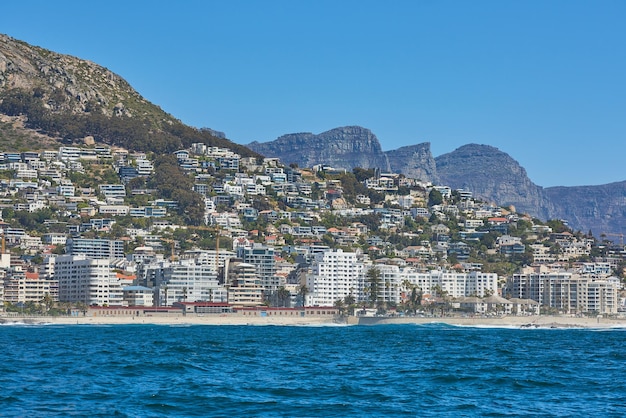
(544, 81)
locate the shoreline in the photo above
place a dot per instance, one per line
(178, 319)
(522, 322)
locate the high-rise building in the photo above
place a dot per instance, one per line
(334, 275)
(244, 285)
(567, 292)
(88, 280)
(95, 248)
(262, 258)
(186, 281)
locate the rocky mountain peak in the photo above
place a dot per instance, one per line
(493, 175)
(414, 161)
(346, 147)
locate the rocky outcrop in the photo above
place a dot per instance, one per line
(601, 209)
(65, 83)
(485, 170)
(414, 161)
(346, 148)
(67, 99)
(493, 175)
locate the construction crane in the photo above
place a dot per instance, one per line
(173, 245)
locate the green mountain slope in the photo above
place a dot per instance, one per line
(49, 97)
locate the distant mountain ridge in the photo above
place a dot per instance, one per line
(351, 146)
(485, 170)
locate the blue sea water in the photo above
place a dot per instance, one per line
(387, 370)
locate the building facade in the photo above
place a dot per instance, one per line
(95, 248)
(334, 275)
(87, 280)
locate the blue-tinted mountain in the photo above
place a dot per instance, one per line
(489, 173)
(346, 148)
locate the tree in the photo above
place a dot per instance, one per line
(302, 292)
(350, 301)
(362, 174)
(340, 305)
(413, 297)
(373, 280)
(47, 301)
(435, 197)
(282, 297)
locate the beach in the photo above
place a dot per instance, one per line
(535, 321)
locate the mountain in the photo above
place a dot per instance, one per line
(485, 170)
(347, 147)
(414, 161)
(601, 209)
(46, 97)
(493, 175)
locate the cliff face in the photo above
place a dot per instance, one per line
(493, 175)
(414, 161)
(347, 147)
(486, 171)
(601, 209)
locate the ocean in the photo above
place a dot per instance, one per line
(308, 371)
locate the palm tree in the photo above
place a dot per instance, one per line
(443, 294)
(339, 304)
(47, 301)
(82, 307)
(373, 278)
(165, 296)
(283, 296)
(302, 292)
(350, 302)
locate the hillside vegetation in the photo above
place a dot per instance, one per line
(66, 99)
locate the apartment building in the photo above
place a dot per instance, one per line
(87, 280)
(568, 292)
(334, 275)
(95, 248)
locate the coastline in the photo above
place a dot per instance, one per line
(529, 322)
(172, 319)
(522, 322)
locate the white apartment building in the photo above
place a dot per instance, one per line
(186, 281)
(20, 286)
(262, 257)
(455, 284)
(334, 275)
(216, 260)
(87, 280)
(569, 293)
(138, 296)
